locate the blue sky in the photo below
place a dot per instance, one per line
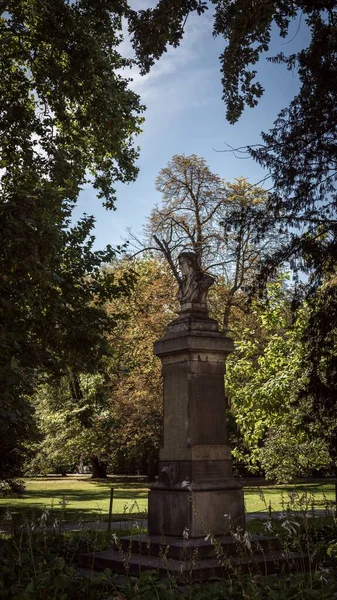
(185, 115)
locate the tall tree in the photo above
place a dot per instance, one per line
(73, 428)
(113, 417)
(134, 372)
(66, 117)
(320, 362)
(265, 384)
(191, 198)
(219, 221)
(300, 151)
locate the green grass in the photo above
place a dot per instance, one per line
(81, 498)
(278, 496)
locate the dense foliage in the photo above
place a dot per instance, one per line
(66, 117)
(265, 386)
(320, 361)
(135, 372)
(72, 429)
(113, 420)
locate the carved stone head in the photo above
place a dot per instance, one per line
(194, 284)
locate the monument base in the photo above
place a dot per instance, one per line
(205, 509)
(196, 559)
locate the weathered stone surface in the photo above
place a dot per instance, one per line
(193, 567)
(205, 343)
(194, 284)
(179, 548)
(195, 488)
(199, 512)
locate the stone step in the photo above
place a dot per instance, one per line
(191, 569)
(178, 548)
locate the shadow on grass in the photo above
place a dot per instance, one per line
(80, 495)
(124, 485)
(20, 515)
(127, 481)
(58, 502)
(311, 488)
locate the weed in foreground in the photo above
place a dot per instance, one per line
(41, 563)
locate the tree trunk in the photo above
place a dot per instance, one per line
(75, 387)
(151, 467)
(227, 312)
(98, 468)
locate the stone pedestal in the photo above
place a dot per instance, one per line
(195, 490)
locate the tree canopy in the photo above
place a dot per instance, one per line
(266, 379)
(67, 117)
(114, 418)
(300, 151)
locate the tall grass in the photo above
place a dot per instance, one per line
(41, 563)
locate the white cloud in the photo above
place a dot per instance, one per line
(178, 69)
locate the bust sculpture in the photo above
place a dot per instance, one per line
(193, 284)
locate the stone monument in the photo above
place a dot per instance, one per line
(195, 492)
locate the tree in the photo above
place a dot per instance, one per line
(192, 196)
(70, 337)
(135, 373)
(219, 221)
(67, 117)
(300, 151)
(265, 381)
(73, 430)
(113, 420)
(320, 361)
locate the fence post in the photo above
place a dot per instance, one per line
(110, 507)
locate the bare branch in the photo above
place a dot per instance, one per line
(164, 247)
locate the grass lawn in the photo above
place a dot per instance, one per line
(319, 494)
(77, 498)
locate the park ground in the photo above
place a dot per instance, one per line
(79, 498)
